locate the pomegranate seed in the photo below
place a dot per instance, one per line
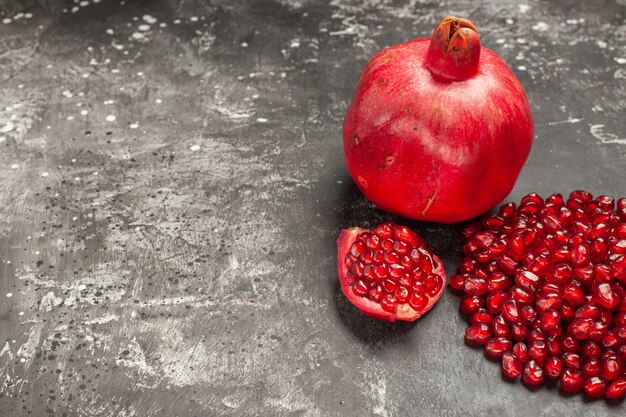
(538, 352)
(481, 316)
(570, 344)
(475, 285)
(571, 381)
(477, 334)
(519, 332)
(494, 300)
(549, 320)
(499, 327)
(617, 389)
(591, 368)
(527, 280)
(605, 295)
(571, 360)
(553, 368)
(509, 311)
(595, 387)
(498, 281)
(581, 328)
(471, 303)
(554, 346)
(389, 303)
(573, 294)
(591, 350)
(520, 351)
(418, 301)
(533, 374)
(611, 367)
(457, 282)
(511, 365)
(495, 348)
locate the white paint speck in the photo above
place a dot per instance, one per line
(9, 126)
(195, 148)
(509, 21)
(261, 120)
(244, 44)
(601, 44)
(521, 68)
(21, 313)
(144, 28)
(295, 43)
(69, 118)
(134, 125)
(110, 31)
(176, 21)
(45, 174)
(111, 118)
(9, 294)
(6, 20)
(15, 166)
(523, 8)
(84, 112)
(620, 60)
(194, 18)
(158, 101)
(28, 15)
(137, 35)
(540, 26)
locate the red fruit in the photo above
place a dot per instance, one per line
(571, 381)
(617, 389)
(553, 368)
(595, 387)
(511, 365)
(477, 334)
(533, 374)
(495, 348)
(421, 137)
(388, 272)
(558, 288)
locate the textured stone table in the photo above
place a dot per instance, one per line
(172, 184)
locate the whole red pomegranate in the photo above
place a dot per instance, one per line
(438, 129)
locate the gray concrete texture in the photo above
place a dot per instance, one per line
(172, 184)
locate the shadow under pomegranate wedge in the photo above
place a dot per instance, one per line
(438, 128)
(388, 272)
(545, 291)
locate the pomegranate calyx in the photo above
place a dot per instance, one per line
(454, 49)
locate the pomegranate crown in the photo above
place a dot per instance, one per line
(454, 50)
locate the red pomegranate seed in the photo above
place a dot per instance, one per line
(533, 374)
(571, 381)
(611, 367)
(595, 387)
(553, 368)
(551, 277)
(500, 327)
(571, 360)
(520, 351)
(590, 350)
(591, 368)
(511, 365)
(538, 352)
(477, 334)
(617, 389)
(495, 348)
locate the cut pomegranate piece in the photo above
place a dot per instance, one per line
(388, 272)
(549, 276)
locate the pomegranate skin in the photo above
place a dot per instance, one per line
(429, 148)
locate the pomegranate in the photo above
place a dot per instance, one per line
(545, 291)
(438, 128)
(388, 272)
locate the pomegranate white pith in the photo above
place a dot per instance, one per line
(388, 272)
(545, 291)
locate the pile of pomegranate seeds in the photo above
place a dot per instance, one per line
(391, 265)
(545, 291)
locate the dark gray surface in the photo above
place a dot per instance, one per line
(180, 260)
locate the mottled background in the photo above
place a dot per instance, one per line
(172, 184)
